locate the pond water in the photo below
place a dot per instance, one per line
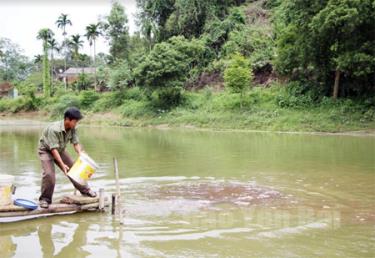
(189, 193)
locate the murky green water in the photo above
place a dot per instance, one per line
(204, 194)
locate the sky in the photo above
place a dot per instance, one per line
(20, 20)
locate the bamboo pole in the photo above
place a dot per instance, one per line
(113, 204)
(118, 197)
(101, 199)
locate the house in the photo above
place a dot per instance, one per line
(8, 90)
(71, 74)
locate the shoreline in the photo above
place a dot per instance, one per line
(41, 118)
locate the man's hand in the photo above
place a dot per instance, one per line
(78, 148)
(65, 169)
(82, 151)
(59, 161)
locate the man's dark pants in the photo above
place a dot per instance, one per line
(49, 177)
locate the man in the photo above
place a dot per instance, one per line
(51, 149)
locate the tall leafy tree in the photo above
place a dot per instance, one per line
(345, 29)
(116, 30)
(92, 33)
(62, 22)
(163, 19)
(46, 34)
(188, 18)
(53, 46)
(152, 17)
(329, 42)
(14, 66)
(38, 59)
(169, 63)
(76, 43)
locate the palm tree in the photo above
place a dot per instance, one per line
(38, 60)
(75, 44)
(45, 34)
(53, 45)
(61, 23)
(92, 33)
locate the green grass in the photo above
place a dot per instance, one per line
(273, 109)
(261, 110)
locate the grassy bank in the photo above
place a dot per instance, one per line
(273, 109)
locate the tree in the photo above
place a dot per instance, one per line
(14, 66)
(120, 76)
(38, 59)
(152, 17)
(45, 35)
(83, 60)
(53, 46)
(83, 82)
(76, 43)
(346, 29)
(138, 47)
(238, 75)
(328, 43)
(163, 19)
(116, 30)
(61, 23)
(169, 63)
(92, 33)
(188, 18)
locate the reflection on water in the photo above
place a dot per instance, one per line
(204, 194)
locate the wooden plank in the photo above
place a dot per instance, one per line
(52, 208)
(12, 208)
(78, 199)
(90, 206)
(55, 208)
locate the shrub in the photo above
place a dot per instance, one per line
(254, 43)
(166, 98)
(295, 95)
(23, 103)
(134, 93)
(120, 76)
(63, 103)
(83, 83)
(110, 100)
(5, 104)
(87, 98)
(169, 63)
(238, 75)
(134, 109)
(105, 102)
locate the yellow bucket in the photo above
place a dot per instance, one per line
(82, 169)
(6, 182)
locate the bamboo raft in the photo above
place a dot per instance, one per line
(69, 204)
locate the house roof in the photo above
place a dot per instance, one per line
(78, 70)
(5, 86)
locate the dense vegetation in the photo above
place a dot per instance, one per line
(266, 64)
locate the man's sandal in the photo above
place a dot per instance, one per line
(43, 204)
